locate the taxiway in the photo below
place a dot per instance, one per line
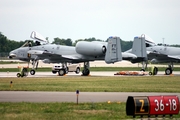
(29, 96)
(73, 74)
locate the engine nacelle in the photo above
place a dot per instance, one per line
(91, 48)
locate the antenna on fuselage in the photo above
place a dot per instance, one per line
(163, 42)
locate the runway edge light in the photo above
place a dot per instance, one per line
(11, 84)
(77, 95)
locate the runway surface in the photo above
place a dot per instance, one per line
(26, 96)
(72, 74)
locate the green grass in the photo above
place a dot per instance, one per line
(94, 84)
(83, 111)
(65, 111)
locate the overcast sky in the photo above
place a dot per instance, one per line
(80, 19)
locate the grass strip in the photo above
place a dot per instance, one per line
(94, 84)
(65, 111)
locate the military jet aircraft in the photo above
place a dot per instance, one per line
(161, 54)
(164, 54)
(84, 51)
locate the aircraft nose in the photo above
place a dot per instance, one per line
(12, 54)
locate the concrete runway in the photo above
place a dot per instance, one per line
(71, 74)
(28, 96)
(50, 74)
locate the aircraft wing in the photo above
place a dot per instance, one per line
(174, 57)
(52, 57)
(36, 52)
(159, 57)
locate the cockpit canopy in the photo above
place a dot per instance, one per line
(149, 41)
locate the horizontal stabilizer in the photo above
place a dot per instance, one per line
(113, 53)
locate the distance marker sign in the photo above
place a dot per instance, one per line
(152, 105)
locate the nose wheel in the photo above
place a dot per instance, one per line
(32, 72)
(35, 66)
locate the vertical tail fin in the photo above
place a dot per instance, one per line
(139, 48)
(113, 53)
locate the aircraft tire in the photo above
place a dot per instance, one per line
(18, 75)
(61, 72)
(67, 70)
(77, 70)
(32, 72)
(86, 72)
(168, 71)
(155, 71)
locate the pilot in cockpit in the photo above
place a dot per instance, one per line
(37, 43)
(29, 44)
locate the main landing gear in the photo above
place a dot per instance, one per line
(169, 70)
(144, 66)
(86, 70)
(63, 70)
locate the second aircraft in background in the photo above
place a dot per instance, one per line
(161, 54)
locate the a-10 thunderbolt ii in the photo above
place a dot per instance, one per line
(161, 54)
(84, 51)
(164, 54)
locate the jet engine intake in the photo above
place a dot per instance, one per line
(11, 56)
(91, 48)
